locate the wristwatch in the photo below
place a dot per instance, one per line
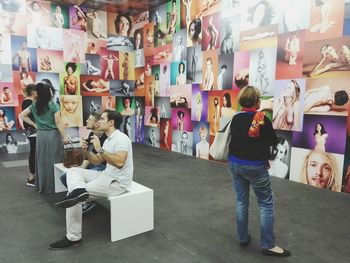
(100, 150)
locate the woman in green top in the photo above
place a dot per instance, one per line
(50, 137)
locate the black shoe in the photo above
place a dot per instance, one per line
(88, 206)
(246, 243)
(76, 196)
(30, 183)
(268, 252)
(64, 243)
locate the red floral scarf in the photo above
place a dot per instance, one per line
(258, 120)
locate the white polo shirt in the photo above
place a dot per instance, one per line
(118, 141)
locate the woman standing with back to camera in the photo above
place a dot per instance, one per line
(50, 137)
(251, 137)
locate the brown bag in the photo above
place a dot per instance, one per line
(73, 156)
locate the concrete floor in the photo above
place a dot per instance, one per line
(194, 219)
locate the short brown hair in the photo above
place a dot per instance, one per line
(249, 96)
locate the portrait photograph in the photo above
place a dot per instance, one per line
(152, 136)
(261, 37)
(128, 127)
(180, 96)
(21, 80)
(182, 142)
(179, 45)
(327, 96)
(92, 65)
(290, 53)
(45, 37)
(317, 169)
(90, 105)
(96, 24)
(262, 67)
(280, 155)
(162, 54)
(241, 69)
(77, 18)
(108, 103)
(199, 104)
(126, 65)
(210, 70)
(74, 41)
(288, 104)
(214, 106)
(50, 61)
(181, 119)
(327, 58)
(320, 132)
(8, 94)
(163, 103)
(165, 134)
(225, 74)
(211, 32)
(23, 58)
(13, 142)
(201, 140)
(121, 88)
(195, 64)
(229, 35)
(59, 16)
(326, 20)
(71, 110)
(94, 86)
(164, 79)
(70, 79)
(109, 64)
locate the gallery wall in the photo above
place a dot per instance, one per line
(175, 71)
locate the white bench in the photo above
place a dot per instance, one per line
(131, 213)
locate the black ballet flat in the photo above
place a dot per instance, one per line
(268, 252)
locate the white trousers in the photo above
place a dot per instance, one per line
(97, 184)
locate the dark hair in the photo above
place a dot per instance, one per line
(241, 83)
(341, 97)
(216, 99)
(126, 98)
(125, 124)
(13, 139)
(181, 63)
(323, 130)
(5, 88)
(268, 14)
(156, 76)
(160, 34)
(117, 21)
(71, 65)
(138, 31)
(49, 84)
(284, 143)
(180, 112)
(172, 2)
(29, 89)
(43, 99)
(228, 99)
(114, 116)
(88, 83)
(223, 67)
(197, 27)
(154, 113)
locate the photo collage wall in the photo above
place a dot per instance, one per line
(174, 73)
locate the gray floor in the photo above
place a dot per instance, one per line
(194, 219)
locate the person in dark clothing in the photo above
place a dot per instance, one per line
(252, 136)
(31, 95)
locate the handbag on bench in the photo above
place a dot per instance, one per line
(73, 156)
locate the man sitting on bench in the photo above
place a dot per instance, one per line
(82, 183)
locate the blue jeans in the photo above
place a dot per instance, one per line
(99, 167)
(258, 177)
